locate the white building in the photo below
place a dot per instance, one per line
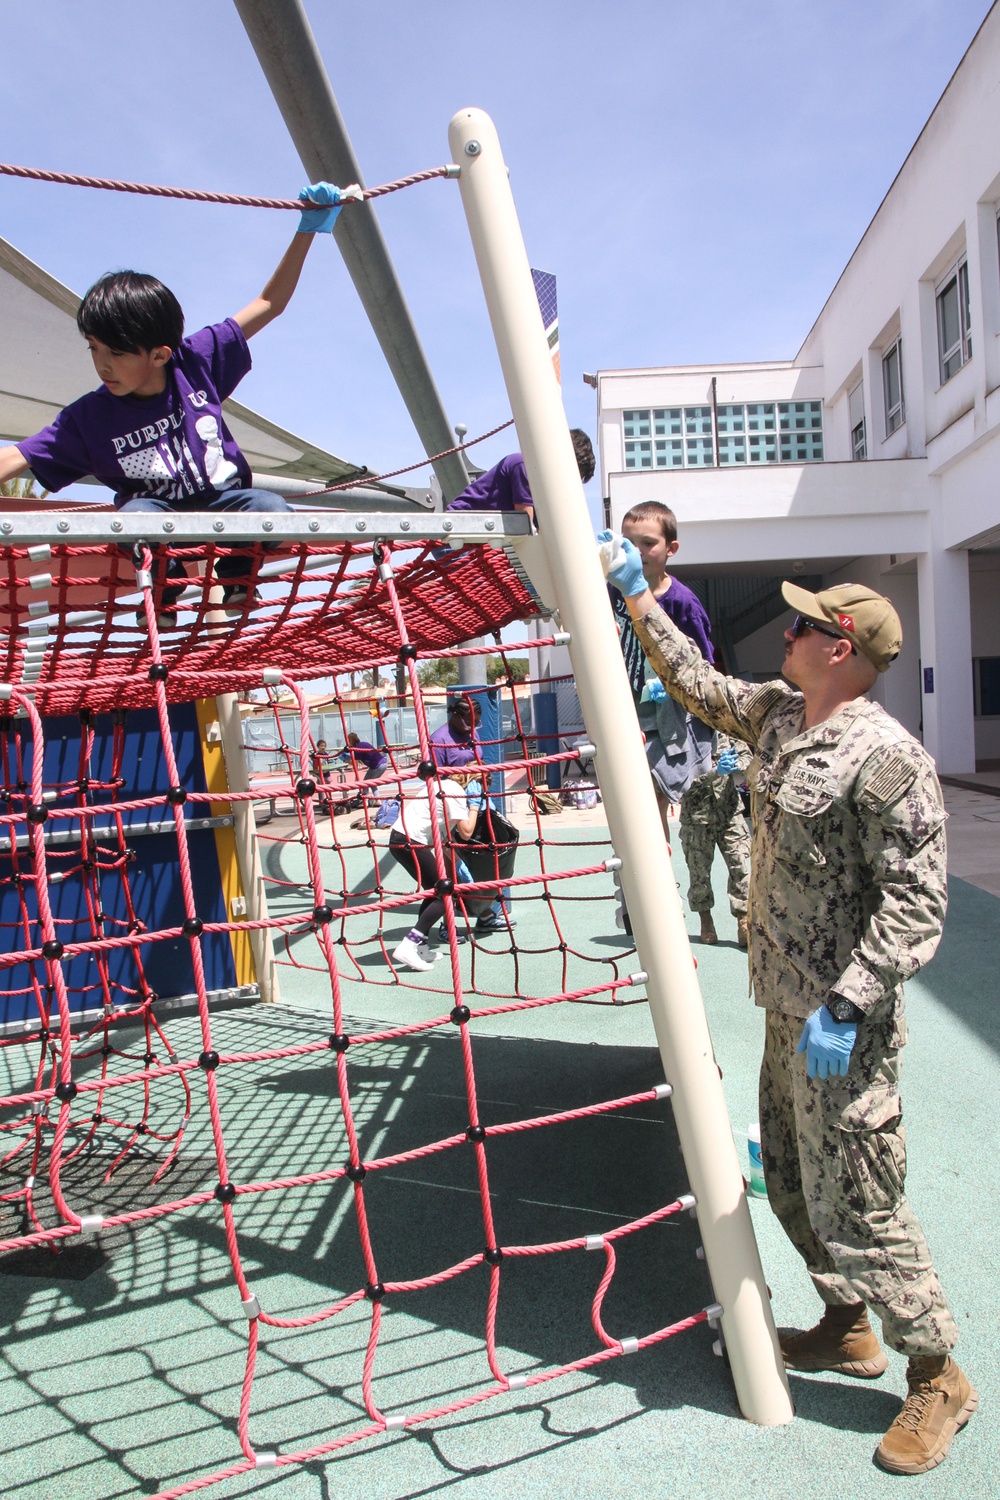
(873, 456)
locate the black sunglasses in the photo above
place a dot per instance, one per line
(800, 623)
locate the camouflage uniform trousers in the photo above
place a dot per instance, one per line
(834, 1158)
(727, 831)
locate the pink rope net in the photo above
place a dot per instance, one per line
(78, 1078)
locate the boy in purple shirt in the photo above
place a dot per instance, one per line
(154, 431)
(505, 486)
(678, 745)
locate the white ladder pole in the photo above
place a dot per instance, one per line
(650, 888)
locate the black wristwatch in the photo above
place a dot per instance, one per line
(842, 1009)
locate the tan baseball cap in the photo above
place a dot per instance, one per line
(861, 616)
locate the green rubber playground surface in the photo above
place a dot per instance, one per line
(120, 1367)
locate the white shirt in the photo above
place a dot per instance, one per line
(415, 821)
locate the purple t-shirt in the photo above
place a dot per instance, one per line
(446, 750)
(688, 614)
(174, 446)
(365, 753)
(503, 487)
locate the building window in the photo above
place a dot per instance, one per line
(954, 336)
(800, 431)
(986, 684)
(856, 416)
(682, 437)
(892, 387)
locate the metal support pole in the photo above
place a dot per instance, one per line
(247, 846)
(650, 887)
(286, 49)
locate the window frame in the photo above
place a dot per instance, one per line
(895, 414)
(960, 348)
(993, 665)
(859, 429)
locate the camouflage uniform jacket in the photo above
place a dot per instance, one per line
(713, 798)
(847, 875)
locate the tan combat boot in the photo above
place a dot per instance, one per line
(708, 932)
(842, 1340)
(742, 934)
(940, 1401)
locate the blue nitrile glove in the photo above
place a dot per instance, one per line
(727, 762)
(622, 564)
(655, 691)
(463, 872)
(827, 1044)
(321, 219)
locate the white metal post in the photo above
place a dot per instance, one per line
(654, 906)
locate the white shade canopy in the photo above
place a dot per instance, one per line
(44, 365)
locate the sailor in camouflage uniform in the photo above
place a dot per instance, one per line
(847, 900)
(712, 818)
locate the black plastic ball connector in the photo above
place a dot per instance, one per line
(357, 1173)
(209, 1061)
(193, 927)
(305, 788)
(476, 1134)
(374, 1291)
(425, 770)
(52, 949)
(106, 1051)
(225, 1192)
(83, 784)
(322, 914)
(339, 1042)
(158, 671)
(460, 1013)
(66, 1091)
(444, 886)
(149, 1059)
(176, 795)
(407, 652)
(37, 813)
(493, 1255)
(98, 1119)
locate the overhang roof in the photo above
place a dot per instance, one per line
(44, 365)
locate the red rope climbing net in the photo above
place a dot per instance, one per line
(71, 823)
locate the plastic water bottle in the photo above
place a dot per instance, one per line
(757, 1186)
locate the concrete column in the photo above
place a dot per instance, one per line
(946, 658)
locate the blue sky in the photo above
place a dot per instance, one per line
(696, 175)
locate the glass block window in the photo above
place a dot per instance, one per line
(760, 417)
(892, 387)
(800, 430)
(638, 455)
(732, 439)
(954, 336)
(762, 432)
(668, 422)
(669, 453)
(762, 450)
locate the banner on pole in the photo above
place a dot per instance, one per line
(545, 291)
